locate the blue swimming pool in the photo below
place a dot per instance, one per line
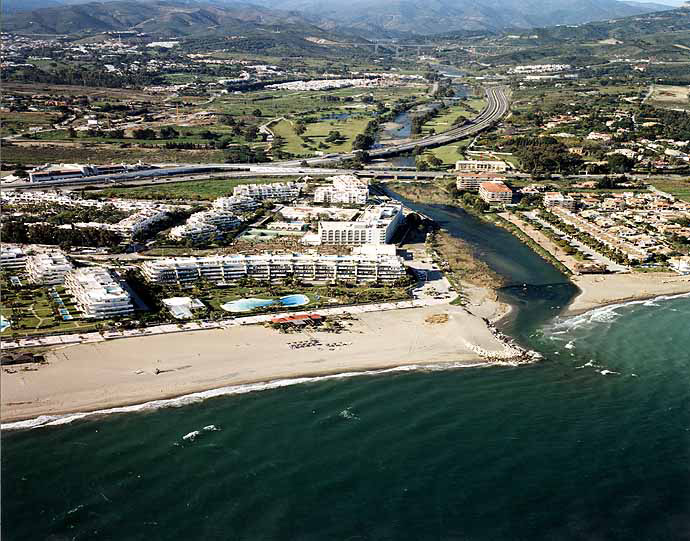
(4, 324)
(246, 305)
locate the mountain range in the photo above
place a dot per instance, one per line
(368, 18)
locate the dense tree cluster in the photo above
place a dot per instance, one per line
(543, 155)
(14, 231)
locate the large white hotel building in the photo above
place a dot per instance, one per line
(97, 294)
(376, 225)
(227, 269)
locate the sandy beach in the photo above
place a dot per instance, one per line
(121, 372)
(600, 290)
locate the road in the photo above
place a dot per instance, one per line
(497, 106)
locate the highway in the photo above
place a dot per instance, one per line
(496, 107)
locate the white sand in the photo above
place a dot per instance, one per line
(121, 372)
(600, 290)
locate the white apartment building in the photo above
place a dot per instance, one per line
(345, 189)
(12, 258)
(470, 181)
(225, 269)
(377, 225)
(273, 191)
(680, 264)
(235, 203)
(48, 268)
(557, 199)
(481, 165)
(495, 193)
(202, 226)
(139, 222)
(221, 219)
(196, 232)
(97, 294)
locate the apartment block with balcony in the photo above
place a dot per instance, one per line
(272, 191)
(48, 268)
(494, 166)
(345, 189)
(271, 267)
(376, 225)
(97, 294)
(495, 193)
(12, 258)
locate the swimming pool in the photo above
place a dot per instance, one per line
(4, 324)
(246, 305)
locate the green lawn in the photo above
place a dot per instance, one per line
(319, 295)
(316, 133)
(31, 313)
(677, 188)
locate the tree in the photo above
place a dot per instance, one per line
(257, 112)
(168, 132)
(251, 133)
(363, 141)
(144, 133)
(333, 136)
(618, 163)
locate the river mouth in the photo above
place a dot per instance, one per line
(536, 291)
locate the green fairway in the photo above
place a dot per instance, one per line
(313, 140)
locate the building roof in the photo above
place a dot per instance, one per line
(495, 187)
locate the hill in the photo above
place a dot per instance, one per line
(662, 36)
(388, 17)
(161, 18)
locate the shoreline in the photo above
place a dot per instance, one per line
(89, 377)
(599, 290)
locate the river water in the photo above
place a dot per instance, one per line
(591, 444)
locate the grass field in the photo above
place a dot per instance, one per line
(449, 154)
(277, 103)
(31, 313)
(20, 122)
(677, 188)
(198, 190)
(309, 142)
(103, 153)
(444, 121)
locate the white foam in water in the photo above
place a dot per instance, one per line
(607, 372)
(570, 345)
(195, 398)
(191, 436)
(196, 433)
(347, 414)
(604, 314)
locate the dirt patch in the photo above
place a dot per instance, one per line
(436, 319)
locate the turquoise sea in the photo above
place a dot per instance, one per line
(591, 444)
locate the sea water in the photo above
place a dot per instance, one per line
(592, 443)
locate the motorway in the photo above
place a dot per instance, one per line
(496, 107)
